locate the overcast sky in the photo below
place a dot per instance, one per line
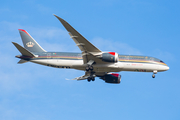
(134, 27)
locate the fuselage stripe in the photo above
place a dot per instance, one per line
(80, 58)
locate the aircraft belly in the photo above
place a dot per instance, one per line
(99, 67)
(58, 63)
(38, 61)
(107, 67)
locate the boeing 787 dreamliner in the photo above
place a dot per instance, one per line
(92, 60)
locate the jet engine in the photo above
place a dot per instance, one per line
(110, 57)
(112, 78)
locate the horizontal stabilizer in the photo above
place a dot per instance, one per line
(22, 61)
(23, 51)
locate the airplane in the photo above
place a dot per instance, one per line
(93, 61)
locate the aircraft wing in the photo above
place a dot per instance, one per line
(89, 51)
(87, 74)
(84, 77)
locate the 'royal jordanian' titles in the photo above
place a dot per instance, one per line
(93, 61)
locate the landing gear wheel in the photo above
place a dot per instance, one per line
(91, 68)
(87, 68)
(153, 76)
(89, 79)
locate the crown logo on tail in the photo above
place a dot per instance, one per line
(30, 44)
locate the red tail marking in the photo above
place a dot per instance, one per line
(112, 53)
(24, 31)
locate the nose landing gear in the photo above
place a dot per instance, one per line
(154, 72)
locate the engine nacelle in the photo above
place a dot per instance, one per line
(112, 78)
(110, 57)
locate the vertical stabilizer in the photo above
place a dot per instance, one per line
(29, 43)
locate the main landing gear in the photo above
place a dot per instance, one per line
(91, 78)
(154, 72)
(89, 69)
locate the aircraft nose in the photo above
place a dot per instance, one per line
(163, 68)
(166, 68)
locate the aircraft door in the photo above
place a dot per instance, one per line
(48, 55)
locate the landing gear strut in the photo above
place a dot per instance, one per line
(89, 69)
(154, 72)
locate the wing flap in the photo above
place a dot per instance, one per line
(84, 77)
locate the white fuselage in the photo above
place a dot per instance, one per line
(109, 67)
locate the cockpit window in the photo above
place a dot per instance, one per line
(161, 61)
